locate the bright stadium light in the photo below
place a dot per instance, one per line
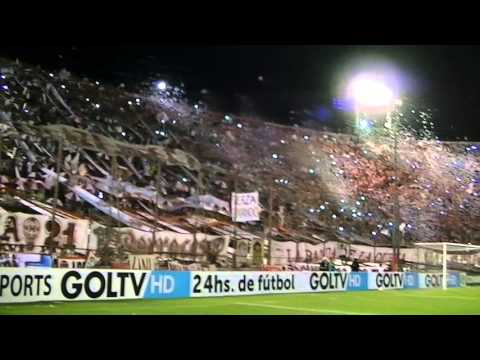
(161, 85)
(370, 93)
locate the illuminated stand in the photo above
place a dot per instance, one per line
(445, 249)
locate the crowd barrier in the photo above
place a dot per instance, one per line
(19, 285)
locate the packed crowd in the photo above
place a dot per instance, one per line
(335, 185)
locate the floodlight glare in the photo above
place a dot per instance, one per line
(161, 85)
(371, 93)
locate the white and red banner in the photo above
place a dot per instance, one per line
(286, 252)
(185, 246)
(28, 233)
(379, 254)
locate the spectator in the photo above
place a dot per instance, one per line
(13, 261)
(355, 265)
(324, 264)
(4, 260)
(331, 265)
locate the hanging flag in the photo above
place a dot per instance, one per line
(245, 207)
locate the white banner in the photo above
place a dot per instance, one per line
(101, 205)
(188, 246)
(379, 254)
(315, 253)
(245, 207)
(28, 233)
(286, 252)
(283, 252)
(206, 202)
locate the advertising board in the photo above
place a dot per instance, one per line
(19, 285)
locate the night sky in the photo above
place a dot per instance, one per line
(301, 78)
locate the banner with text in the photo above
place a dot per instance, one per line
(245, 207)
(386, 281)
(183, 246)
(19, 285)
(435, 280)
(35, 285)
(284, 252)
(29, 233)
(206, 284)
(142, 262)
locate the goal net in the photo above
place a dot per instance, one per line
(443, 257)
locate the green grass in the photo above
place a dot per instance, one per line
(462, 301)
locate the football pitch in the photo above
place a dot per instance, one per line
(461, 301)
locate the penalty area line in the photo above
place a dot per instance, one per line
(291, 308)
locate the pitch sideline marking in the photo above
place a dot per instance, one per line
(302, 309)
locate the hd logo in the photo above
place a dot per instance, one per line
(411, 280)
(357, 281)
(454, 279)
(168, 285)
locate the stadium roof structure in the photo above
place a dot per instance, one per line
(445, 248)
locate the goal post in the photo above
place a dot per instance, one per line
(445, 249)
